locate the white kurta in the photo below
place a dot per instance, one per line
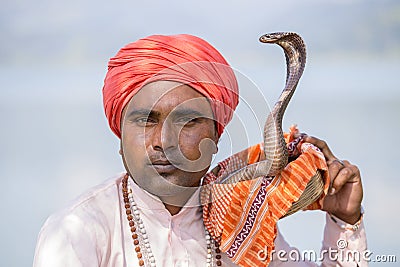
(94, 231)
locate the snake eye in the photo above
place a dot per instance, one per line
(265, 38)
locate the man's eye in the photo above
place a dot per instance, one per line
(187, 120)
(144, 121)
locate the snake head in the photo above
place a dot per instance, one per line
(275, 37)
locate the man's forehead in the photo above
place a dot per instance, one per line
(171, 96)
(160, 89)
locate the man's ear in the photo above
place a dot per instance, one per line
(216, 140)
(216, 148)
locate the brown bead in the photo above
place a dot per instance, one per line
(133, 228)
(127, 206)
(141, 262)
(130, 217)
(139, 255)
(126, 199)
(218, 257)
(128, 212)
(131, 224)
(136, 242)
(134, 236)
(125, 194)
(219, 263)
(217, 250)
(124, 189)
(137, 249)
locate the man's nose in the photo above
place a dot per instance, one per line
(165, 136)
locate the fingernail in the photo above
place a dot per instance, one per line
(332, 191)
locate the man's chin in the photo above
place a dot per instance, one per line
(163, 185)
(170, 193)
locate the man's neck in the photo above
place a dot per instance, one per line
(172, 209)
(174, 204)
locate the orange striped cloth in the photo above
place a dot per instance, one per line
(242, 217)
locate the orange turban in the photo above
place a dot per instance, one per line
(181, 58)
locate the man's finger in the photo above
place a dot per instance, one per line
(334, 168)
(321, 144)
(345, 175)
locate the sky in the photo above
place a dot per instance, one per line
(56, 143)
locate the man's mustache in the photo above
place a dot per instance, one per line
(163, 158)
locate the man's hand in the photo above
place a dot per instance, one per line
(345, 192)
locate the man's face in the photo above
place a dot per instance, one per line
(168, 137)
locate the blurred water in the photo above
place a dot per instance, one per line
(55, 143)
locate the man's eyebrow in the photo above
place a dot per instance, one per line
(188, 112)
(143, 112)
(181, 112)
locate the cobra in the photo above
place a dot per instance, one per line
(275, 149)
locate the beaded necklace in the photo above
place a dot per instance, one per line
(139, 236)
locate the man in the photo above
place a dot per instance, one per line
(168, 98)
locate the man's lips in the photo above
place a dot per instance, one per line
(163, 166)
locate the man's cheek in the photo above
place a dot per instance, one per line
(194, 150)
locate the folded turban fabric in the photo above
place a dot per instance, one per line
(182, 58)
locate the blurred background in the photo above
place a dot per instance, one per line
(55, 142)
